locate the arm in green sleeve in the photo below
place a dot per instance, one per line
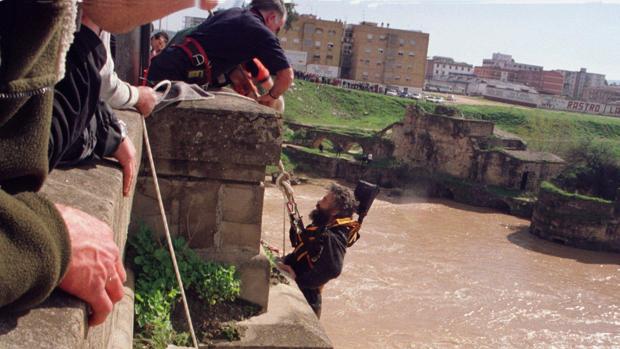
(34, 249)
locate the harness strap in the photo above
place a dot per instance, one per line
(197, 56)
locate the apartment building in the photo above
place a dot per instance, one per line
(503, 67)
(314, 45)
(441, 68)
(577, 82)
(383, 55)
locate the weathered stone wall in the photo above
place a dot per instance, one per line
(441, 143)
(520, 170)
(469, 149)
(60, 322)
(211, 157)
(575, 221)
(376, 145)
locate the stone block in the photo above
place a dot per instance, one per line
(238, 235)
(224, 130)
(190, 208)
(242, 203)
(288, 323)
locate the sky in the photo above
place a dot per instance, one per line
(556, 34)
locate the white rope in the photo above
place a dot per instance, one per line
(168, 238)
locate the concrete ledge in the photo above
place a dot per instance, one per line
(289, 323)
(61, 321)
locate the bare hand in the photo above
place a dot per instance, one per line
(126, 156)
(208, 5)
(267, 100)
(287, 269)
(147, 98)
(95, 273)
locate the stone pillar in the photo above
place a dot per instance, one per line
(211, 157)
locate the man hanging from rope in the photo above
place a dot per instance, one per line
(320, 247)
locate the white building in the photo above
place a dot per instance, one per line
(442, 68)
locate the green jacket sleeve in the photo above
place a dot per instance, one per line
(34, 249)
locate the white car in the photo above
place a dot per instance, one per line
(391, 93)
(415, 96)
(434, 99)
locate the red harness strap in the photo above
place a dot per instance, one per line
(197, 56)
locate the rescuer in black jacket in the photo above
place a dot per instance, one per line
(226, 40)
(319, 249)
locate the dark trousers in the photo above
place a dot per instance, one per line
(314, 299)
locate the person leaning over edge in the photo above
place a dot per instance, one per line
(319, 249)
(223, 42)
(43, 245)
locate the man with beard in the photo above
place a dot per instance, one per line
(320, 247)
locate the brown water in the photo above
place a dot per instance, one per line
(436, 274)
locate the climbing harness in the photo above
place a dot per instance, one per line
(302, 237)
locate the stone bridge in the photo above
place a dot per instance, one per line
(346, 139)
(211, 157)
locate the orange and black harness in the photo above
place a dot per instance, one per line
(307, 243)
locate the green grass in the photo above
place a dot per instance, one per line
(546, 130)
(316, 104)
(554, 189)
(543, 130)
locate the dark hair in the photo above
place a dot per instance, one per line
(344, 199)
(269, 5)
(159, 35)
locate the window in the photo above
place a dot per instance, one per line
(317, 44)
(380, 51)
(367, 50)
(318, 31)
(411, 53)
(381, 37)
(401, 42)
(397, 77)
(330, 45)
(283, 39)
(378, 63)
(296, 41)
(367, 61)
(401, 53)
(412, 42)
(369, 36)
(329, 57)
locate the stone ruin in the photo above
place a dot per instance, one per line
(471, 150)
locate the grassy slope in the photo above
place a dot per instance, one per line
(543, 129)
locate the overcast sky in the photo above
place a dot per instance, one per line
(555, 34)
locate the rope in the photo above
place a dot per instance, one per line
(284, 184)
(168, 238)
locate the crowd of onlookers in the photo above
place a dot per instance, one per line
(350, 84)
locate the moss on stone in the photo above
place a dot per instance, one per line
(550, 187)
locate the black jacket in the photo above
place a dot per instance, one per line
(325, 259)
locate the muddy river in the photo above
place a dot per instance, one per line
(436, 274)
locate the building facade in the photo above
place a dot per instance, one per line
(442, 68)
(190, 22)
(503, 67)
(392, 57)
(603, 94)
(320, 41)
(576, 82)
